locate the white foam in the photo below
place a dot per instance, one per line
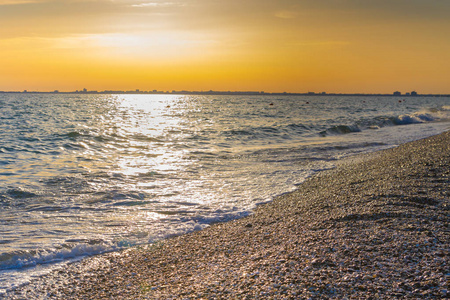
(418, 117)
(24, 259)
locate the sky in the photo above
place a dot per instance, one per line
(340, 46)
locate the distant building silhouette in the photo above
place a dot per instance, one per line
(413, 93)
(397, 93)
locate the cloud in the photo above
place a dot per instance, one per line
(235, 19)
(323, 43)
(157, 4)
(284, 14)
(17, 2)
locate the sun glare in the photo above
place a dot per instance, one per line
(224, 45)
(152, 46)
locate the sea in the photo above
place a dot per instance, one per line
(85, 174)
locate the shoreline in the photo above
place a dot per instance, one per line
(375, 226)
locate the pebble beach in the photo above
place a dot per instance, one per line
(374, 227)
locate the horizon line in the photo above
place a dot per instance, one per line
(212, 92)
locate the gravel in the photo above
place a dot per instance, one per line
(375, 227)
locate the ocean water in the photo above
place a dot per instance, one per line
(86, 174)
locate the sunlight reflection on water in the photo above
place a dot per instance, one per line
(83, 174)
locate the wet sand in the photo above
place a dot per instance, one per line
(377, 226)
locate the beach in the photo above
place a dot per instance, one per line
(376, 226)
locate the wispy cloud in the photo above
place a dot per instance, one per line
(285, 14)
(17, 2)
(322, 43)
(157, 4)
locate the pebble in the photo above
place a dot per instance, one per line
(371, 241)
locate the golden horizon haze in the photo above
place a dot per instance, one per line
(341, 46)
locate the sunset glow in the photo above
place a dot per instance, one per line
(288, 45)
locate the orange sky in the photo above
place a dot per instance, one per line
(252, 45)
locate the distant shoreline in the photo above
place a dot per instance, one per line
(224, 93)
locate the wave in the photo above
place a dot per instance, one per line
(28, 258)
(419, 117)
(74, 249)
(290, 131)
(20, 193)
(384, 121)
(85, 139)
(340, 129)
(262, 132)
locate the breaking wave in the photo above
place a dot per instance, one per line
(425, 116)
